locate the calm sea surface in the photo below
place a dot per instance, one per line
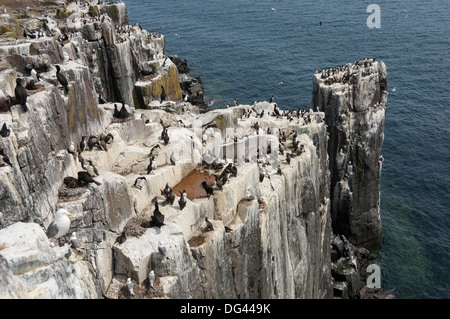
(250, 50)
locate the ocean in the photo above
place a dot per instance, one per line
(251, 50)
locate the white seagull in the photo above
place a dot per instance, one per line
(60, 225)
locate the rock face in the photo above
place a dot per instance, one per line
(353, 98)
(276, 245)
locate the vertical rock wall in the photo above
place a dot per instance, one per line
(355, 110)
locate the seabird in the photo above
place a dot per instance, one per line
(108, 138)
(170, 198)
(124, 112)
(166, 138)
(167, 190)
(86, 178)
(249, 195)
(182, 201)
(5, 130)
(62, 79)
(138, 182)
(21, 95)
(116, 113)
(158, 217)
(71, 148)
(60, 225)
(236, 102)
(172, 158)
(151, 278)
(288, 158)
(150, 165)
(218, 183)
(92, 141)
(209, 225)
(271, 99)
(4, 159)
(209, 190)
(83, 143)
(154, 151)
(74, 241)
(30, 86)
(71, 182)
(129, 285)
(162, 250)
(92, 168)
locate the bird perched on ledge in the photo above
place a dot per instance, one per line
(60, 225)
(62, 79)
(5, 131)
(21, 95)
(208, 189)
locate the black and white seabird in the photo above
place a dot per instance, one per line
(209, 225)
(60, 225)
(21, 95)
(83, 143)
(150, 165)
(170, 198)
(129, 286)
(85, 178)
(236, 102)
(108, 138)
(167, 190)
(92, 168)
(288, 158)
(208, 189)
(172, 158)
(5, 131)
(154, 150)
(182, 201)
(92, 142)
(62, 79)
(139, 181)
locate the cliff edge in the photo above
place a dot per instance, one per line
(273, 173)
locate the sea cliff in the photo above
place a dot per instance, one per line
(284, 243)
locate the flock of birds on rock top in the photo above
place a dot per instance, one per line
(60, 226)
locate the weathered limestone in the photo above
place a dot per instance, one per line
(278, 247)
(355, 116)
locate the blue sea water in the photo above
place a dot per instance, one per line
(246, 50)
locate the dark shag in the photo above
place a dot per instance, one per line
(85, 178)
(93, 140)
(116, 113)
(182, 201)
(31, 86)
(124, 112)
(5, 131)
(21, 95)
(71, 182)
(208, 189)
(62, 79)
(158, 217)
